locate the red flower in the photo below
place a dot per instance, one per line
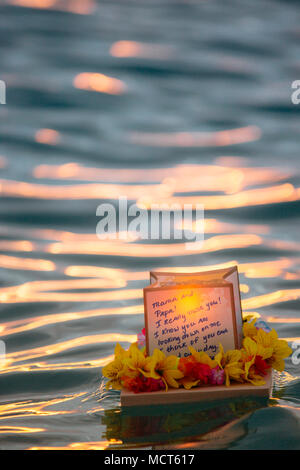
(186, 364)
(261, 366)
(143, 384)
(202, 372)
(153, 385)
(195, 370)
(135, 384)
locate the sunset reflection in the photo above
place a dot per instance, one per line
(197, 139)
(267, 268)
(18, 326)
(98, 445)
(80, 7)
(125, 49)
(48, 291)
(252, 197)
(47, 136)
(22, 245)
(52, 349)
(117, 248)
(19, 430)
(183, 178)
(10, 262)
(100, 83)
(35, 408)
(216, 226)
(80, 191)
(272, 319)
(271, 298)
(42, 366)
(141, 137)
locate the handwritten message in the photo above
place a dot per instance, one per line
(201, 317)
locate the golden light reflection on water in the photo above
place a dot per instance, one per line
(18, 326)
(35, 408)
(286, 378)
(155, 194)
(47, 136)
(120, 248)
(260, 269)
(80, 7)
(215, 226)
(43, 4)
(52, 349)
(252, 197)
(100, 83)
(106, 284)
(292, 320)
(22, 245)
(47, 252)
(19, 430)
(197, 139)
(111, 273)
(125, 49)
(33, 292)
(97, 445)
(57, 282)
(169, 186)
(292, 276)
(27, 264)
(271, 298)
(268, 269)
(80, 191)
(43, 366)
(182, 178)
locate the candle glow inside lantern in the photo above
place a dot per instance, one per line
(200, 310)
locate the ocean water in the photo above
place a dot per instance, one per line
(174, 100)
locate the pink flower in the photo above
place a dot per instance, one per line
(142, 338)
(217, 376)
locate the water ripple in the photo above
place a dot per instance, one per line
(162, 102)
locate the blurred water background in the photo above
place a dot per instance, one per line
(185, 100)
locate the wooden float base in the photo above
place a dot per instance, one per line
(197, 394)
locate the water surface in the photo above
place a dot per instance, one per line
(186, 101)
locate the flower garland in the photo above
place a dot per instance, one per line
(132, 369)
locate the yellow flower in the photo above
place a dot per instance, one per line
(135, 361)
(250, 351)
(230, 362)
(250, 375)
(280, 352)
(266, 339)
(188, 383)
(252, 348)
(159, 366)
(249, 329)
(280, 348)
(115, 369)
